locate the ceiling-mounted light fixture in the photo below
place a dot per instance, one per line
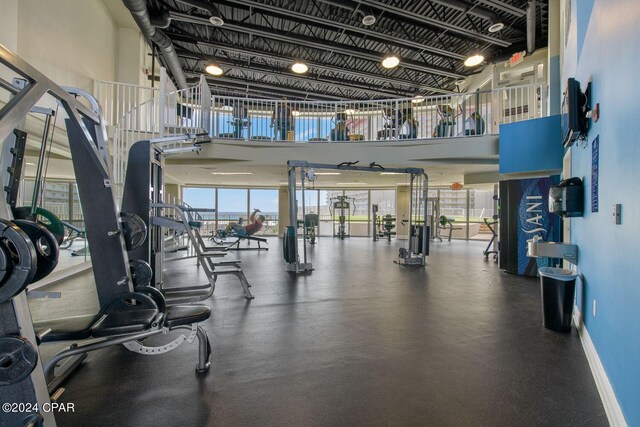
(495, 27)
(299, 67)
(473, 60)
(460, 82)
(368, 19)
(216, 21)
(214, 69)
(390, 61)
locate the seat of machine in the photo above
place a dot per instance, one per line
(195, 224)
(70, 328)
(124, 322)
(186, 315)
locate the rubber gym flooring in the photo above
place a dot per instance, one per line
(359, 341)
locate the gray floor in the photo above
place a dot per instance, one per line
(360, 341)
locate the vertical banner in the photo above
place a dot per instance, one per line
(524, 213)
(595, 171)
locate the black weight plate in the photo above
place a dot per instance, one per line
(18, 358)
(44, 217)
(134, 229)
(129, 301)
(141, 272)
(46, 245)
(155, 294)
(5, 262)
(23, 260)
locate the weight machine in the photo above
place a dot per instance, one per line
(144, 197)
(345, 206)
(418, 244)
(382, 226)
(28, 250)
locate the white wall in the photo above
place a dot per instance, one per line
(72, 42)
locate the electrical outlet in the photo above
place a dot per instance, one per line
(595, 308)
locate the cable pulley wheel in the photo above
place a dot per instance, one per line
(18, 358)
(19, 258)
(46, 245)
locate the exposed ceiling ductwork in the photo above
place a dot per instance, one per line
(472, 9)
(140, 13)
(531, 26)
(216, 18)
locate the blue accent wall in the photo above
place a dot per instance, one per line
(531, 146)
(607, 43)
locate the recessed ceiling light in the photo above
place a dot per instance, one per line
(299, 67)
(328, 173)
(216, 21)
(214, 69)
(231, 173)
(390, 61)
(474, 60)
(494, 28)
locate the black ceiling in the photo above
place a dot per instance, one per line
(260, 38)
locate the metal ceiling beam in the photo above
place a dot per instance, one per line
(317, 21)
(504, 7)
(236, 83)
(324, 67)
(408, 15)
(306, 41)
(283, 73)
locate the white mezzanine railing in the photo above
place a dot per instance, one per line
(456, 115)
(117, 99)
(169, 112)
(138, 113)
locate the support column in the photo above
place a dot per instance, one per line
(283, 209)
(553, 75)
(403, 197)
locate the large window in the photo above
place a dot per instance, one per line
(267, 202)
(232, 206)
(305, 128)
(467, 209)
(202, 198)
(260, 128)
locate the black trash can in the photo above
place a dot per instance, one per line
(558, 288)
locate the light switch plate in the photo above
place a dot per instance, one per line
(617, 213)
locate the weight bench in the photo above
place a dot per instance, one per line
(128, 319)
(203, 255)
(235, 246)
